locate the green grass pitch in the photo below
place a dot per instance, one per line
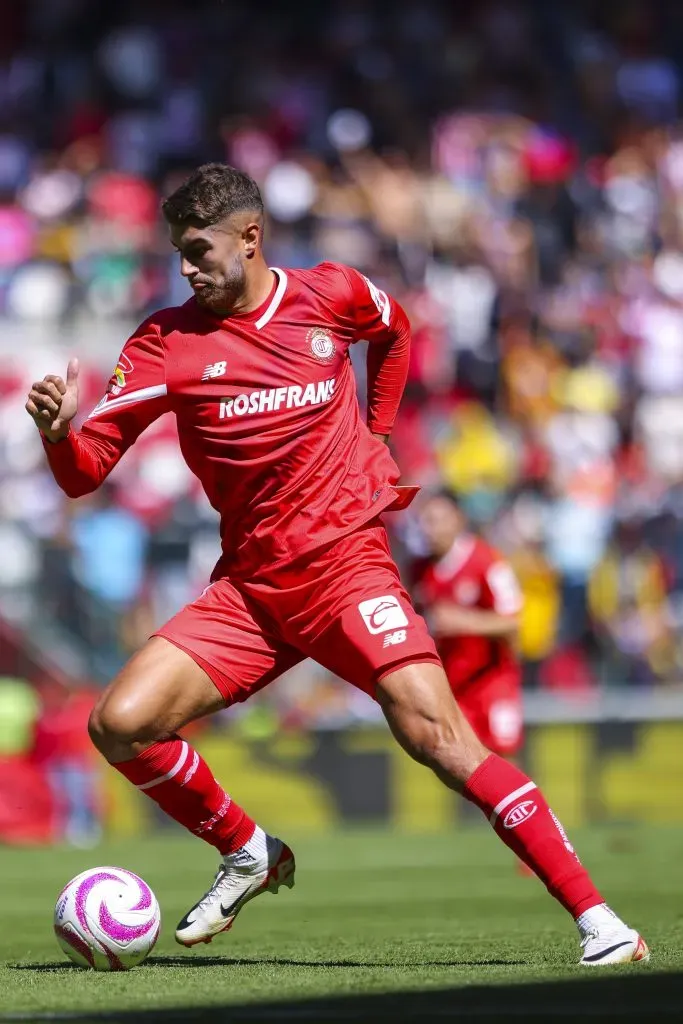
(380, 927)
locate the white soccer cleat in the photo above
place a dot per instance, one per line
(240, 878)
(615, 945)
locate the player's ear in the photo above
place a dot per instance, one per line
(251, 238)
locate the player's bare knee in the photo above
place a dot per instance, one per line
(102, 727)
(116, 723)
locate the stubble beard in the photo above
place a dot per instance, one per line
(223, 297)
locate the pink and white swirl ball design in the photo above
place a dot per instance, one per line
(108, 919)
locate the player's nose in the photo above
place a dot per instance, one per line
(187, 269)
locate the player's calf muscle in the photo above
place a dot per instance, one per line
(426, 721)
(448, 751)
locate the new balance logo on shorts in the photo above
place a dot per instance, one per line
(382, 614)
(391, 639)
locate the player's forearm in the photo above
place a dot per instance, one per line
(387, 364)
(453, 620)
(78, 464)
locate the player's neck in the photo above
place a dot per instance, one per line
(258, 286)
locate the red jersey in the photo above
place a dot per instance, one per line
(267, 412)
(472, 574)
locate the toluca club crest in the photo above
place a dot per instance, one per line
(322, 344)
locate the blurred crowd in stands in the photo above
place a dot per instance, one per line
(511, 171)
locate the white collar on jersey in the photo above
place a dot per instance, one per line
(277, 298)
(455, 557)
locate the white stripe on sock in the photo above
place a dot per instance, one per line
(174, 770)
(510, 798)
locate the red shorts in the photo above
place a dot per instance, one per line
(493, 707)
(344, 606)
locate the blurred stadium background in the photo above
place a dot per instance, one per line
(513, 173)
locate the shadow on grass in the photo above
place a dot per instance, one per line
(637, 997)
(276, 961)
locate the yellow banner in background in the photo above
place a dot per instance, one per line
(606, 772)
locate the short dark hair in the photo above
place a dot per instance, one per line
(211, 193)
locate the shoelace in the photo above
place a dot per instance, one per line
(208, 895)
(220, 877)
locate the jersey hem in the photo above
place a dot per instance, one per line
(370, 513)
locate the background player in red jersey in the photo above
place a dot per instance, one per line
(472, 602)
(256, 368)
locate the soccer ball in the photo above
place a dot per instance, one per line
(107, 918)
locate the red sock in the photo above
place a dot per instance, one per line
(521, 817)
(174, 775)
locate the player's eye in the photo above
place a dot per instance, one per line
(196, 253)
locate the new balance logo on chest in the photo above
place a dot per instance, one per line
(214, 370)
(271, 399)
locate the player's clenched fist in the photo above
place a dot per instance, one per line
(53, 402)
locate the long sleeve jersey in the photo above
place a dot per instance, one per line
(267, 412)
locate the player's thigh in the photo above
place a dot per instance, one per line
(217, 650)
(157, 692)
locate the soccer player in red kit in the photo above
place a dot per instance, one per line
(255, 366)
(472, 601)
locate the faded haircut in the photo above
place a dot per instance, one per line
(210, 194)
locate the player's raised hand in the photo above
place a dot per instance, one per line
(53, 402)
